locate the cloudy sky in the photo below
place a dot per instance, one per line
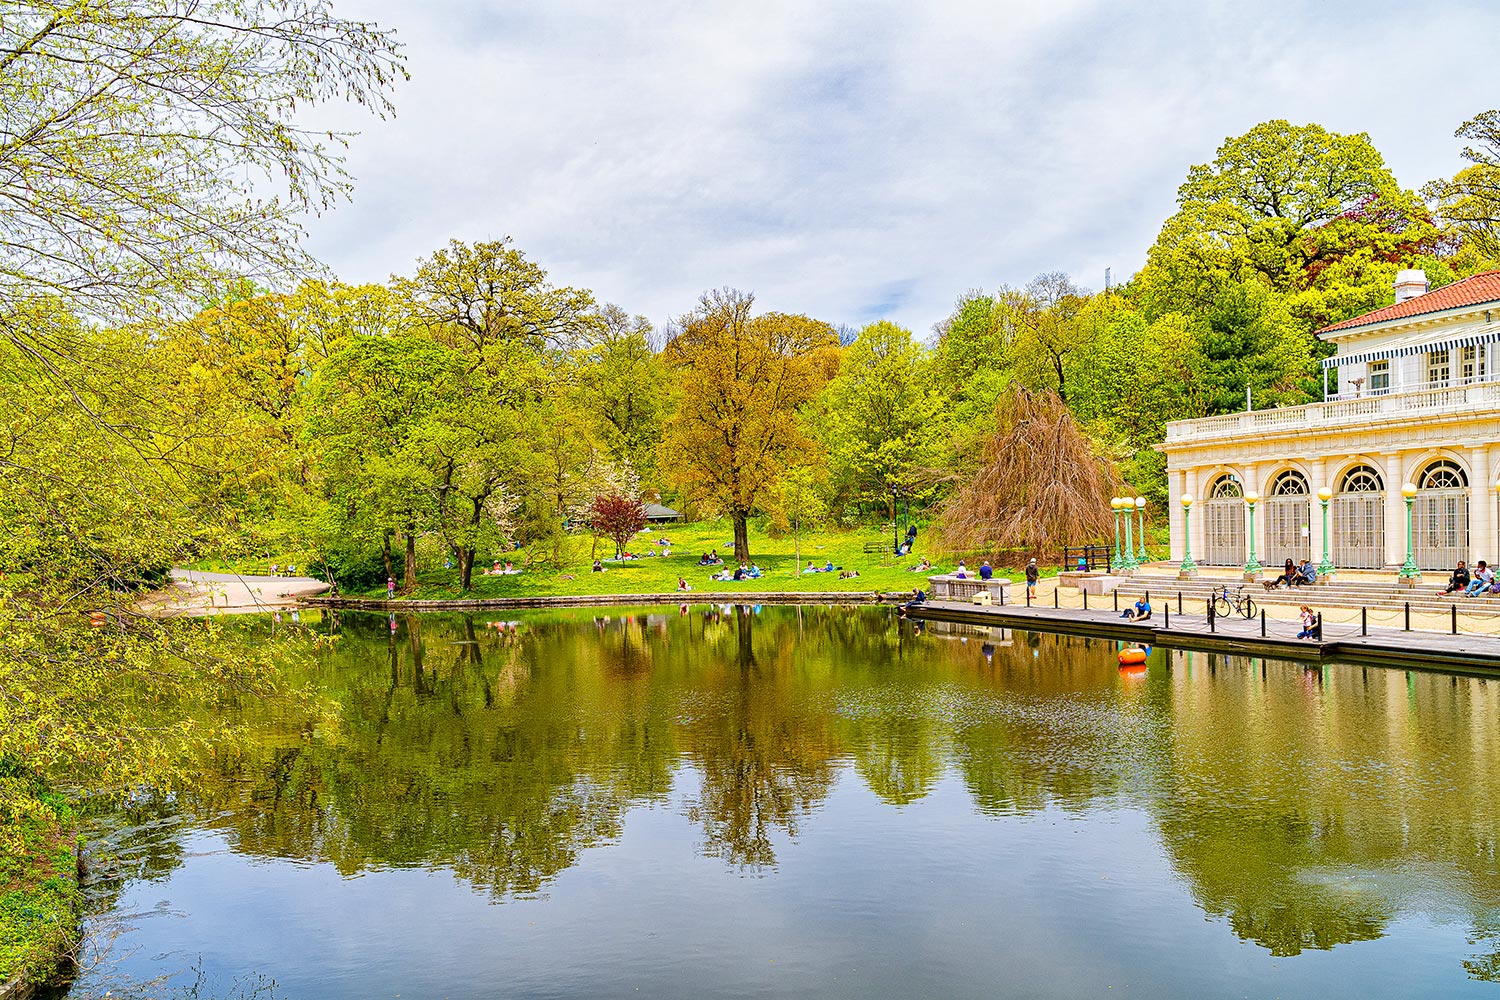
(870, 160)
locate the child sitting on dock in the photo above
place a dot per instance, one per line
(1139, 611)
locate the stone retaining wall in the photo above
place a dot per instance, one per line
(606, 600)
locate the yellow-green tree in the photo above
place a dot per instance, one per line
(741, 380)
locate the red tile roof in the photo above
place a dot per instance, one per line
(1479, 289)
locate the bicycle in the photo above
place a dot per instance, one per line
(1225, 603)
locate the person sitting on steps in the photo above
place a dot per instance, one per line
(1287, 578)
(1458, 579)
(1306, 573)
(1139, 611)
(1483, 577)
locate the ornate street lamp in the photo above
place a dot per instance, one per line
(1140, 534)
(1325, 568)
(1117, 563)
(1253, 567)
(1127, 562)
(1409, 572)
(1188, 567)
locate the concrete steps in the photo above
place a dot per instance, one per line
(1423, 598)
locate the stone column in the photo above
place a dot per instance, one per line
(1482, 541)
(1395, 510)
(1252, 482)
(1318, 469)
(1176, 486)
(1194, 484)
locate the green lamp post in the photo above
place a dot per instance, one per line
(1188, 567)
(1127, 562)
(1118, 562)
(1253, 567)
(1325, 568)
(1140, 531)
(1409, 573)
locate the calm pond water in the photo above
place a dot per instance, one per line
(707, 802)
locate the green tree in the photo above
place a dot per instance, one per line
(741, 380)
(371, 405)
(150, 154)
(1470, 201)
(1286, 202)
(878, 417)
(623, 385)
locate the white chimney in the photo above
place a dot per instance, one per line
(1410, 284)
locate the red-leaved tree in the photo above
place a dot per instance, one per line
(617, 517)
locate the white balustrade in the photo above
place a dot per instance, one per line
(1451, 399)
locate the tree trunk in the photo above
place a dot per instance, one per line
(409, 582)
(796, 546)
(741, 536)
(385, 553)
(465, 568)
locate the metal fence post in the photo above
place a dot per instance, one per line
(1364, 622)
(1116, 595)
(1211, 614)
(1054, 596)
(1320, 626)
(1085, 600)
(1166, 609)
(1454, 609)
(1262, 623)
(1179, 602)
(1407, 626)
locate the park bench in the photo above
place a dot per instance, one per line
(1093, 556)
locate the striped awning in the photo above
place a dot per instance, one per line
(1488, 335)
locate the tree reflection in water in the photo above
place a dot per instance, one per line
(1305, 809)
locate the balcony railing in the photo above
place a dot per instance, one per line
(1339, 412)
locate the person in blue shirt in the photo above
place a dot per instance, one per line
(1139, 611)
(985, 572)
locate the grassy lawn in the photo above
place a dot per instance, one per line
(39, 895)
(658, 574)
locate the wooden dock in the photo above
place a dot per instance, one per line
(1468, 653)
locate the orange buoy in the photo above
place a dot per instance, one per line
(1132, 656)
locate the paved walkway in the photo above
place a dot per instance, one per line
(196, 593)
(1341, 640)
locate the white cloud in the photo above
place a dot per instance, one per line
(862, 160)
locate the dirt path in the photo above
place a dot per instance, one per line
(193, 592)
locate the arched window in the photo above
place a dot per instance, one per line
(1226, 487)
(1289, 484)
(1443, 475)
(1361, 479)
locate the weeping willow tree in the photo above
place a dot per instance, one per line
(1041, 483)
